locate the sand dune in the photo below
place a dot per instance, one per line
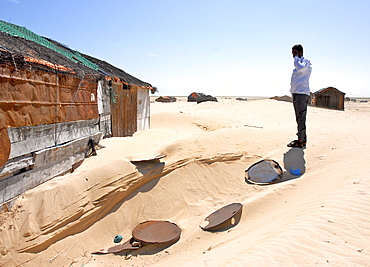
(318, 218)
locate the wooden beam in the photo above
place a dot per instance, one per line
(15, 165)
(47, 164)
(28, 139)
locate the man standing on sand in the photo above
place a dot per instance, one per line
(300, 90)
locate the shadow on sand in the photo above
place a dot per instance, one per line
(294, 164)
(152, 172)
(148, 249)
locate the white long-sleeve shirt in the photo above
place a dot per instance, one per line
(299, 83)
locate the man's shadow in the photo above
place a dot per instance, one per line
(294, 164)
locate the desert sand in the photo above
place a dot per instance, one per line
(319, 218)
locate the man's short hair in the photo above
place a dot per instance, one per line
(298, 47)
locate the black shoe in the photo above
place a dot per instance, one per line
(297, 143)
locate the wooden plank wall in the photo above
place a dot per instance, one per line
(44, 165)
(123, 110)
(28, 139)
(331, 99)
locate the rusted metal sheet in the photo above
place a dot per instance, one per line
(156, 232)
(34, 97)
(128, 245)
(123, 109)
(223, 218)
(149, 232)
(4, 146)
(264, 172)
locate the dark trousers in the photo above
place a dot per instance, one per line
(300, 102)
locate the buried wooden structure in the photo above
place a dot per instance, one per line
(55, 105)
(329, 97)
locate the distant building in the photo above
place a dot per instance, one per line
(200, 97)
(166, 99)
(329, 97)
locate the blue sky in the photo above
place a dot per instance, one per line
(218, 47)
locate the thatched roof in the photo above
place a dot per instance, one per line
(17, 51)
(21, 47)
(113, 71)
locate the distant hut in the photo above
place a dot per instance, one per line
(329, 97)
(283, 98)
(55, 106)
(166, 99)
(200, 97)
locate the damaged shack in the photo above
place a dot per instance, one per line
(55, 106)
(329, 97)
